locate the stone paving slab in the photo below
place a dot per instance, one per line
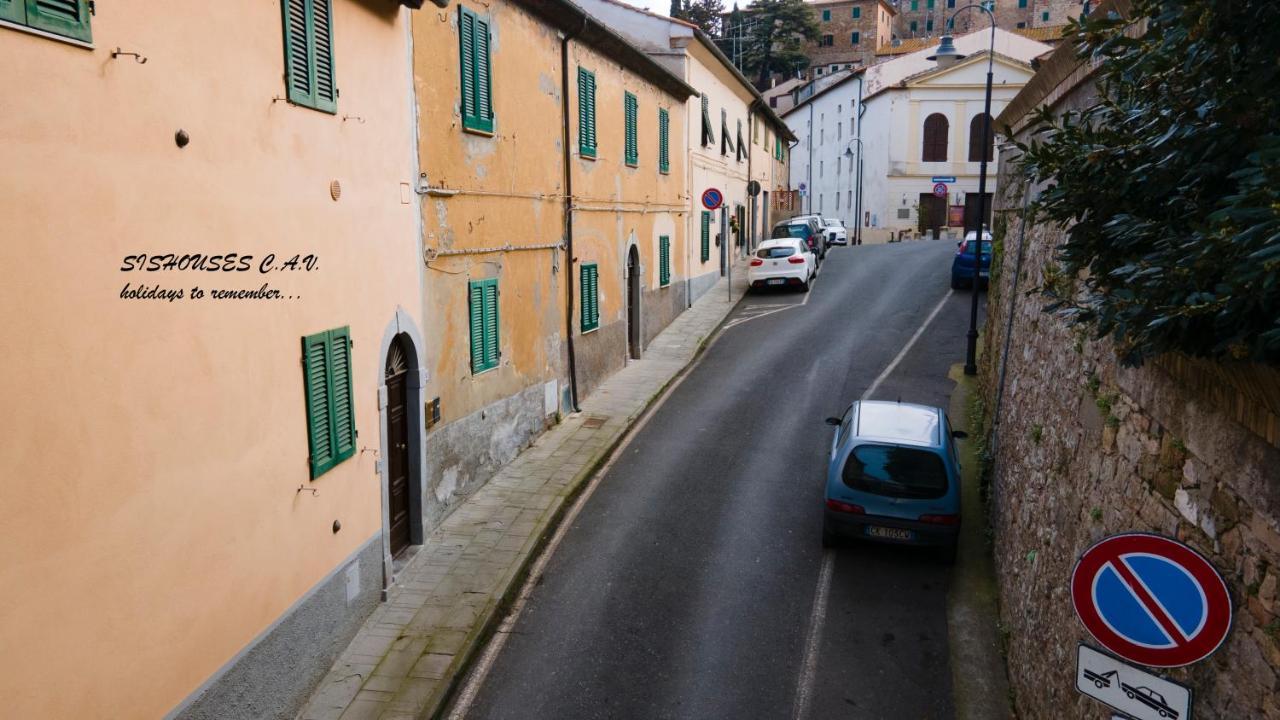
(413, 649)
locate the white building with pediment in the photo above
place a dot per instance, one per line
(895, 149)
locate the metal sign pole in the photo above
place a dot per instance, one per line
(724, 247)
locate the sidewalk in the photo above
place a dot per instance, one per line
(407, 656)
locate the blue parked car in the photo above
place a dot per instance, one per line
(962, 263)
(894, 477)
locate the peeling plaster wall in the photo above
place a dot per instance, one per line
(1088, 449)
(490, 192)
(506, 189)
(464, 454)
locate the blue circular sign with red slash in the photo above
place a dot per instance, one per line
(1151, 600)
(712, 198)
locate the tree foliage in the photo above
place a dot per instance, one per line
(1169, 183)
(777, 31)
(705, 14)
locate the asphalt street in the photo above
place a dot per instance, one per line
(685, 587)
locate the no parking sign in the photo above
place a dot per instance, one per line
(1151, 600)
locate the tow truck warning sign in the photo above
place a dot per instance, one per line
(1134, 692)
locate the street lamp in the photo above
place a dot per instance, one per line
(947, 55)
(857, 209)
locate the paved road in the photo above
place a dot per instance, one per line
(686, 586)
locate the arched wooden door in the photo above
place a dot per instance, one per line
(398, 446)
(633, 302)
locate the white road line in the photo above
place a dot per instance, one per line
(818, 617)
(809, 669)
(875, 385)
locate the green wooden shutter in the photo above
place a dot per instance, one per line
(326, 372)
(491, 351)
(586, 113)
(15, 11)
(664, 140)
(708, 136)
(315, 373)
(475, 304)
(664, 260)
(706, 236)
(308, 54)
(467, 63)
(484, 79)
(590, 302)
(69, 18)
(476, 71)
(343, 425)
(326, 89)
(630, 108)
(297, 57)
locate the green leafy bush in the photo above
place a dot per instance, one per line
(1169, 184)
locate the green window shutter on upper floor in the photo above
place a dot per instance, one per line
(590, 302)
(586, 113)
(482, 305)
(326, 369)
(630, 107)
(706, 236)
(68, 18)
(708, 136)
(474, 41)
(15, 11)
(826, 16)
(664, 260)
(664, 141)
(857, 13)
(308, 54)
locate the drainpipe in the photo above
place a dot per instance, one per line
(809, 188)
(862, 150)
(568, 209)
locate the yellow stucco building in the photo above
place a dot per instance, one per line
(211, 239)
(552, 159)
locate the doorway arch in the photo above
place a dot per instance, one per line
(401, 460)
(633, 303)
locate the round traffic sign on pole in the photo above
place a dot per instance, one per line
(1151, 600)
(940, 189)
(712, 198)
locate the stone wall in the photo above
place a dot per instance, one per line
(1083, 448)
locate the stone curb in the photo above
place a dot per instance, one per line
(489, 621)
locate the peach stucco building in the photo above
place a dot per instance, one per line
(192, 474)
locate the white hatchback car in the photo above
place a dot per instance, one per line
(785, 262)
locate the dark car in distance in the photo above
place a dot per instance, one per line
(808, 229)
(962, 263)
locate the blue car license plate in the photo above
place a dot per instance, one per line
(888, 533)
(777, 281)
